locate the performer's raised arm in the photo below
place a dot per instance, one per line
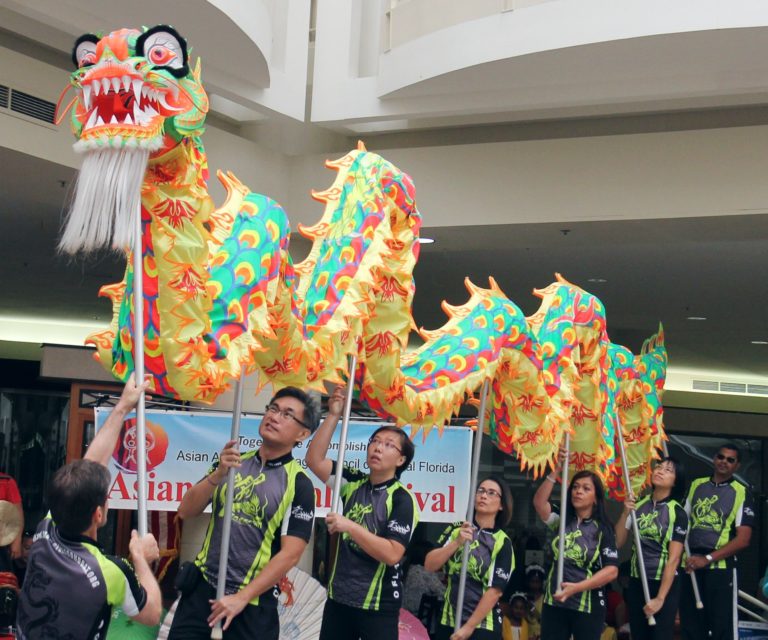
(316, 459)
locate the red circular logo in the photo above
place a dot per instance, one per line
(126, 450)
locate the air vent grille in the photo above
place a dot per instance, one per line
(761, 389)
(705, 385)
(4, 91)
(733, 387)
(32, 106)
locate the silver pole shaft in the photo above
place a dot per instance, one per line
(752, 614)
(336, 499)
(751, 600)
(237, 410)
(694, 581)
(478, 444)
(635, 529)
(138, 370)
(563, 512)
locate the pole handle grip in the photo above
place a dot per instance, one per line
(651, 621)
(699, 604)
(216, 632)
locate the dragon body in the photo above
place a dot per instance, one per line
(221, 292)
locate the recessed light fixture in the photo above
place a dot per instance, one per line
(696, 318)
(759, 341)
(426, 240)
(598, 280)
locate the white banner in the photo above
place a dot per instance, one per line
(182, 446)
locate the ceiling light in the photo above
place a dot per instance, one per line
(426, 240)
(598, 280)
(695, 318)
(759, 341)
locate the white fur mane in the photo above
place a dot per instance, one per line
(107, 200)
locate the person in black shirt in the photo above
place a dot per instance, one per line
(663, 525)
(721, 514)
(577, 606)
(365, 590)
(490, 565)
(71, 585)
(273, 511)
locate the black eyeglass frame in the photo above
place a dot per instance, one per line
(275, 408)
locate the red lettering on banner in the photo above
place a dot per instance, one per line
(163, 491)
(323, 498)
(437, 499)
(119, 486)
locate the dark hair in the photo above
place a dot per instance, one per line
(731, 447)
(505, 513)
(75, 492)
(311, 413)
(598, 511)
(679, 488)
(407, 448)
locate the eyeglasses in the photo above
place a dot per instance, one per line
(275, 410)
(728, 459)
(385, 444)
(482, 491)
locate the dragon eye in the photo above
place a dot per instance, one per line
(84, 54)
(163, 47)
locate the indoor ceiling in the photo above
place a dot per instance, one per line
(645, 272)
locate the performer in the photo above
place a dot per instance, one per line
(663, 525)
(577, 606)
(365, 590)
(272, 516)
(491, 562)
(721, 514)
(71, 586)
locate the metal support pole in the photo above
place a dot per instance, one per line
(138, 370)
(635, 529)
(563, 512)
(752, 600)
(217, 632)
(478, 444)
(336, 499)
(694, 581)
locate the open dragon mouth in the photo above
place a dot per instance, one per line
(123, 106)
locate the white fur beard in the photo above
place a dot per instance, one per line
(107, 200)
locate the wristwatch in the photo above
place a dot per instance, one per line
(709, 558)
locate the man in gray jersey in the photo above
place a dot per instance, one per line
(71, 586)
(272, 517)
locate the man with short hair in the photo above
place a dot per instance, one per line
(721, 515)
(272, 516)
(71, 585)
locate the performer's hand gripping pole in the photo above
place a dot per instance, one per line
(226, 528)
(471, 504)
(336, 499)
(138, 368)
(694, 581)
(563, 512)
(635, 529)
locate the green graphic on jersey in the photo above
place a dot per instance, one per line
(648, 527)
(573, 550)
(704, 516)
(475, 565)
(358, 512)
(247, 507)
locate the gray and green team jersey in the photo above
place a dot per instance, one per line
(659, 523)
(271, 499)
(589, 546)
(491, 563)
(715, 510)
(71, 587)
(388, 510)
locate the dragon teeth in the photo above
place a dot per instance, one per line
(126, 83)
(137, 89)
(96, 87)
(116, 84)
(106, 85)
(99, 121)
(92, 119)
(86, 96)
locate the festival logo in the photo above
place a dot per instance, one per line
(648, 525)
(126, 450)
(704, 516)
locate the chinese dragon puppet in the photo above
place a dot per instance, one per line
(221, 291)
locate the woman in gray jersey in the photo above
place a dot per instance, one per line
(490, 565)
(365, 590)
(576, 608)
(663, 525)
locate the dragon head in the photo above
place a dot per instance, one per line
(136, 98)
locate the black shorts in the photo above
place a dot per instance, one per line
(559, 623)
(341, 622)
(190, 622)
